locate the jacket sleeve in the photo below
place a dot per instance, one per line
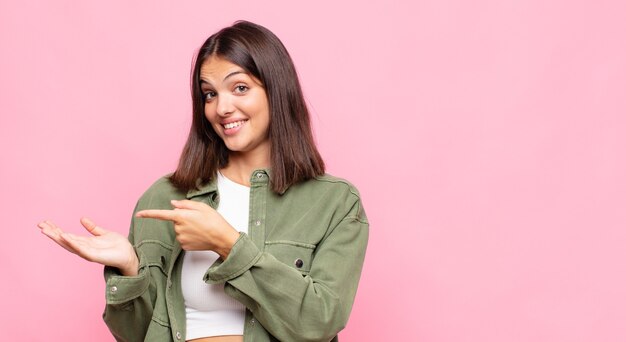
(290, 305)
(129, 303)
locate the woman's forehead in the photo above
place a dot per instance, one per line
(214, 67)
(215, 70)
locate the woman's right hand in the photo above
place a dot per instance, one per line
(104, 247)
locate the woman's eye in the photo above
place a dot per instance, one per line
(241, 89)
(208, 96)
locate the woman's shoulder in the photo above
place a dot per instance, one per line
(343, 193)
(160, 193)
(336, 192)
(335, 183)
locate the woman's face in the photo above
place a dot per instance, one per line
(236, 105)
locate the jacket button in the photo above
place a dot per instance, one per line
(113, 289)
(299, 263)
(252, 321)
(178, 335)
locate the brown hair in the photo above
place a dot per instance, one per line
(294, 156)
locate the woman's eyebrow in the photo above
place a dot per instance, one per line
(234, 73)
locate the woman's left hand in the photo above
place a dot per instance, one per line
(197, 226)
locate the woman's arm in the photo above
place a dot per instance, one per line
(293, 307)
(129, 304)
(129, 300)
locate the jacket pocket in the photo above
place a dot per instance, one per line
(295, 254)
(154, 253)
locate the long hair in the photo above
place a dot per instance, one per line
(293, 154)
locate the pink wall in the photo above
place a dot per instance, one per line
(486, 137)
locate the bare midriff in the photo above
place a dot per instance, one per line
(229, 338)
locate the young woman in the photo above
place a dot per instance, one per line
(249, 239)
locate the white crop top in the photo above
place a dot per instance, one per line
(210, 312)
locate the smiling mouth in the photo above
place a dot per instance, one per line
(234, 124)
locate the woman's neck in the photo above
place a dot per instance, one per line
(240, 167)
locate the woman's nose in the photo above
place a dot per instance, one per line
(224, 105)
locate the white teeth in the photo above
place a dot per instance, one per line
(233, 124)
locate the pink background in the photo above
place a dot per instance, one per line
(487, 139)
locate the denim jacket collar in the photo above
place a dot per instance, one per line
(258, 176)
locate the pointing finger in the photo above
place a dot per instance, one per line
(188, 204)
(168, 215)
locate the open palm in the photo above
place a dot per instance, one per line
(103, 246)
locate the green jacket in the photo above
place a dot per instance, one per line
(296, 270)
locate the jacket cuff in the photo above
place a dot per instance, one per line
(121, 289)
(242, 256)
